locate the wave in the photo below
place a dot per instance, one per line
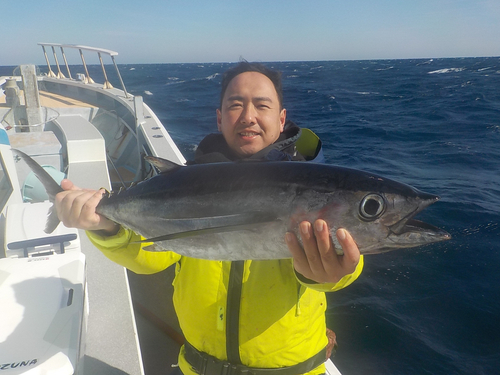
(174, 81)
(211, 77)
(426, 63)
(447, 70)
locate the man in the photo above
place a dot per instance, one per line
(244, 315)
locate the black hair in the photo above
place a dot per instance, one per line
(245, 66)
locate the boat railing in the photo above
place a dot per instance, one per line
(87, 78)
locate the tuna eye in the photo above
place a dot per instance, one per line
(372, 207)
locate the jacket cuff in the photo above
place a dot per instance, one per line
(332, 287)
(112, 243)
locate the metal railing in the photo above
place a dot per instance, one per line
(88, 79)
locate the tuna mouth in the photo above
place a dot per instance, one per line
(417, 226)
(412, 233)
(405, 224)
(408, 227)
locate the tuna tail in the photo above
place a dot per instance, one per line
(50, 186)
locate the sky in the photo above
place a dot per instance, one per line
(171, 31)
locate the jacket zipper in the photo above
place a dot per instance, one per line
(233, 312)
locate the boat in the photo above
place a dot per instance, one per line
(64, 307)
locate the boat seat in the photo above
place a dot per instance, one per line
(25, 236)
(87, 164)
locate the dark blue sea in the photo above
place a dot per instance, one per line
(434, 124)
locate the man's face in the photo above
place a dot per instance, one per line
(250, 117)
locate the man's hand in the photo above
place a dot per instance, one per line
(76, 208)
(317, 260)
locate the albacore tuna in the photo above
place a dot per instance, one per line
(235, 211)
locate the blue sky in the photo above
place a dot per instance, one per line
(163, 31)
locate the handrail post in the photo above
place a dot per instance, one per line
(119, 76)
(59, 73)
(87, 79)
(66, 62)
(50, 73)
(107, 84)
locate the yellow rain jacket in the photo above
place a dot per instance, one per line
(281, 319)
(257, 313)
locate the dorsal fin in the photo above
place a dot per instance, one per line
(163, 165)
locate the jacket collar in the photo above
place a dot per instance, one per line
(213, 148)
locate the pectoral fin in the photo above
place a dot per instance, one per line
(219, 224)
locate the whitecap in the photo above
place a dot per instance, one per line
(426, 62)
(132, 68)
(174, 83)
(211, 77)
(447, 70)
(148, 92)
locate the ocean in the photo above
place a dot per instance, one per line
(434, 124)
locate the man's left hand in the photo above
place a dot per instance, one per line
(317, 259)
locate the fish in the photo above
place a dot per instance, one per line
(242, 210)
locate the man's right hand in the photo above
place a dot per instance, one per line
(76, 208)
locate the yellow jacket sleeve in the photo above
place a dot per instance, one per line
(121, 249)
(332, 287)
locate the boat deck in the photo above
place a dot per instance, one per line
(57, 101)
(52, 100)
